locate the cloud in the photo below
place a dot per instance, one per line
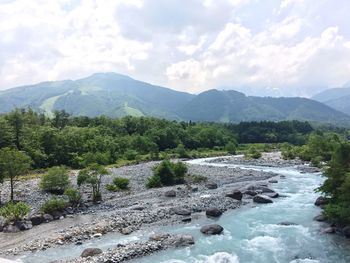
(292, 47)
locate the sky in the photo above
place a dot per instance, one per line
(260, 47)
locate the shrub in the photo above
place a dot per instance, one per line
(53, 205)
(111, 188)
(15, 211)
(253, 153)
(130, 155)
(194, 178)
(74, 196)
(230, 148)
(180, 169)
(181, 151)
(121, 183)
(165, 172)
(56, 180)
(153, 182)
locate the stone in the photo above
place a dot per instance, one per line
(273, 195)
(211, 185)
(250, 192)
(126, 231)
(11, 229)
(2, 223)
(159, 237)
(97, 235)
(273, 181)
(78, 243)
(213, 212)
(320, 218)
(329, 230)
(37, 219)
(180, 240)
(286, 223)
(24, 225)
(56, 215)
(194, 189)
(236, 194)
(213, 229)
(346, 231)
(47, 218)
(267, 190)
(262, 199)
(321, 200)
(182, 211)
(90, 252)
(187, 219)
(170, 193)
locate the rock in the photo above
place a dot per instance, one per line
(56, 215)
(286, 223)
(37, 219)
(126, 231)
(213, 212)
(346, 231)
(2, 223)
(11, 229)
(90, 252)
(180, 240)
(273, 181)
(182, 211)
(97, 235)
(262, 199)
(267, 190)
(212, 185)
(213, 229)
(273, 195)
(170, 193)
(236, 194)
(187, 219)
(329, 230)
(24, 225)
(194, 189)
(250, 192)
(78, 243)
(320, 218)
(321, 200)
(47, 218)
(159, 237)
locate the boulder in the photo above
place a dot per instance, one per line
(47, 218)
(212, 185)
(320, 218)
(11, 229)
(346, 231)
(159, 237)
(187, 219)
(126, 230)
(24, 225)
(56, 215)
(236, 194)
(266, 190)
(273, 181)
(37, 219)
(180, 240)
(262, 199)
(273, 195)
(170, 193)
(329, 230)
(90, 252)
(194, 189)
(2, 223)
(213, 212)
(321, 200)
(250, 192)
(182, 211)
(213, 229)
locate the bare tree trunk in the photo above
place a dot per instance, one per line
(11, 185)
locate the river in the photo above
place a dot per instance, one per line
(251, 234)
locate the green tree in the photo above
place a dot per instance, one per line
(165, 172)
(16, 121)
(12, 164)
(56, 180)
(93, 177)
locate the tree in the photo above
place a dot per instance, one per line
(12, 164)
(16, 121)
(60, 119)
(56, 180)
(93, 177)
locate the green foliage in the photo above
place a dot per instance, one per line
(230, 147)
(181, 151)
(14, 211)
(130, 154)
(253, 153)
(53, 205)
(92, 176)
(56, 180)
(196, 179)
(12, 164)
(121, 182)
(167, 173)
(74, 196)
(153, 181)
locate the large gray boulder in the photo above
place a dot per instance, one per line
(262, 199)
(170, 193)
(213, 229)
(180, 240)
(11, 229)
(211, 185)
(236, 194)
(320, 218)
(90, 252)
(346, 231)
(37, 219)
(182, 211)
(321, 200)
(213, 212)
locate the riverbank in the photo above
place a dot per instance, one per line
(140, 208)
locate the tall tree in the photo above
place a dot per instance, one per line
(16, 121)
(12, 164)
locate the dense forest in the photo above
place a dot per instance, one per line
(79, 141)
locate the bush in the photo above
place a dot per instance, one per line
(196, 179)
(165, 172)
(253, 153)
(121, 182)
(74, 196)
(111, 188)
(56, 180)
(15, 211)
(230, 148)
(181, 151)
(130, 155)
(180, 169)
(153, 182)
(53, 205)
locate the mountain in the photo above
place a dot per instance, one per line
(110, 94)
(214, 105)
(117, 95)
(337, 98)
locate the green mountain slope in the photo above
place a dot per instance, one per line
(118, 95)
(337, 98)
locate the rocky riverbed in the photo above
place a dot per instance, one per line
(140, 207)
